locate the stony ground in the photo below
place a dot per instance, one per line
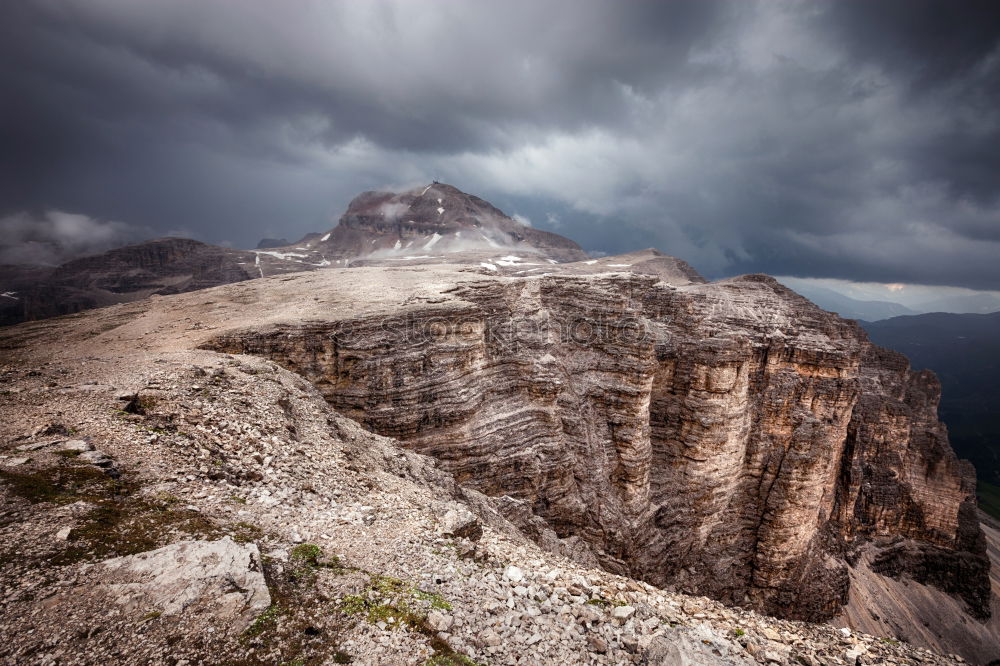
(370, 554)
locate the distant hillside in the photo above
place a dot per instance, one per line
(964, 351)
(847, 307)
(423, 224)
(982, 303)
(163, 266)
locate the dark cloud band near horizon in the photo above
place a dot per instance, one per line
(849, 139)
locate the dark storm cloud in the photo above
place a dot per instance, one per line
(927, 42)
(844, 139)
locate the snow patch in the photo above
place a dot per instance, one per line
(512, 260)
(620, 265)
(325, 238)
(433, 241)
(591, 262)
(440, 210)
(488, 266)
(280, 255)
(10, 294)
(398, 245)
(509, 260)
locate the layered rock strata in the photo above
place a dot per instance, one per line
(724, 438)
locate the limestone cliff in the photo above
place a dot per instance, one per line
(725, 438)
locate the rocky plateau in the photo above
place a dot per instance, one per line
(496, 450)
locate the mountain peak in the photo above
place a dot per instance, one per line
(436, 219)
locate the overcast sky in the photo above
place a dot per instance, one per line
(855, 139)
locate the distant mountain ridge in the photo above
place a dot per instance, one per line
(971, 304)
(421, 224)
(850, 308)
(163, 266)
(964, 351)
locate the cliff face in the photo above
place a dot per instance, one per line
(225, 450)
(729, 439)
(904, 483)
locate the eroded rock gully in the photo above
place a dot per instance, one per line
(728, 439)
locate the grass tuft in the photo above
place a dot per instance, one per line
(264, 622)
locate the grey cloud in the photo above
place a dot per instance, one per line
(926, 42)
(842, 139)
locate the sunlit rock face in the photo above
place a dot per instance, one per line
(729, 438)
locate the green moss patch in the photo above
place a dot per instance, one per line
(243, 532)
(129, 525)
(306, 560)
(62, 484)
(395, 602)
(266, 621)
(605, 603)
(121, 522)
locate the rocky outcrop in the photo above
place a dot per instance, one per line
(904, 487)
(728, 438)
(370, 557)
(222, 577)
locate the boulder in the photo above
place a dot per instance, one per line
(75, 446)
(460, 523)
(221, 578)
